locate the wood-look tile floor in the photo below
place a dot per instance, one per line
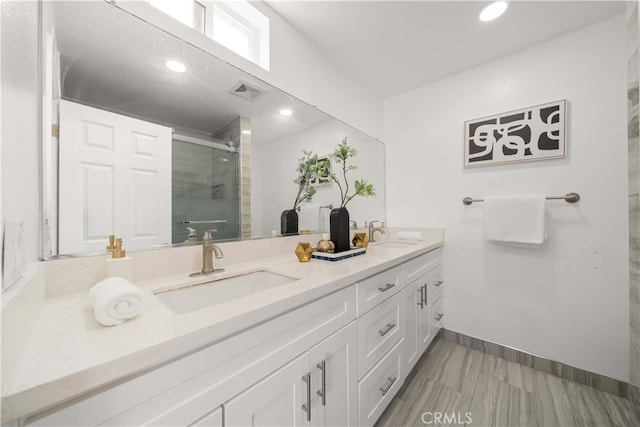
(456, 385)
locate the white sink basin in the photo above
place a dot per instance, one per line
(396, 243)
(218, 290)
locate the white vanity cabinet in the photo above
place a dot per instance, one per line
(395, 326)
(421, 298)
(436, 284)
(275, 401)
(417, 321)
(191, 390)
(380, 336)
(317, 389)
(338, 360)
(333, 367)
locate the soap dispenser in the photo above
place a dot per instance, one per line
(119, 265)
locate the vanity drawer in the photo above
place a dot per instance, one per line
(435, 284)
(378, 331)
(378, 388)
(437, 316)
(375, 289)
(416, 267)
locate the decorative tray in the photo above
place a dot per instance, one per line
(328, 256)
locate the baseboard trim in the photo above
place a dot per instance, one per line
(559, 369)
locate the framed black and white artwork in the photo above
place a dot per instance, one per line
(323, 180)
(533, 133)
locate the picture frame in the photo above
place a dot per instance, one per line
(527, 134)
(325, 180)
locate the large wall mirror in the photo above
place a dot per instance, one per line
(158, 156)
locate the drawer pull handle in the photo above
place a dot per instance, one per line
(386, 287)
(421, 303)
(307, 406)
(323, 393)
(391, 381)
(438, 283)
(439, 316)
(386, 329)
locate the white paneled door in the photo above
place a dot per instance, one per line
(115, 178)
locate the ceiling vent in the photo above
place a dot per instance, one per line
(246, 90)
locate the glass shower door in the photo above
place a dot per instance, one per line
(205, 192)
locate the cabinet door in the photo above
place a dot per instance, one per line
(275, 401)
(411, 298)
(334, 364)
(425, 329)
(212, 419)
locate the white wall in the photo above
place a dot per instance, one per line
(297, 67)
(272, 177)
(568, 300)
(20, 121)
(301, 69)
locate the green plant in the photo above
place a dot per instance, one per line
(362, 188)
(309, 169)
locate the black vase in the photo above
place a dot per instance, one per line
(289, 222)
(339, 229)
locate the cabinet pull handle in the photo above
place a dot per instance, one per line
(391, 381)
(386, 287)
(439, 316)
(426, 296)
(386, 329)
(438, 283)
(307, 407)
(421, 303)
(323, 393)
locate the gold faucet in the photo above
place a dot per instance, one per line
(373, 229)
(115, 247)
(208, 250)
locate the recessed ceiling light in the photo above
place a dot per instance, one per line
(286, 112)
(494, 10)
(246, 132)
(176, 66)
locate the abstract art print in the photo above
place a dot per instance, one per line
(323, 180)
(533, 133)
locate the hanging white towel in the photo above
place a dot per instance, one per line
(515, 219)
(309, 218)
(115, 300)
(325, 222)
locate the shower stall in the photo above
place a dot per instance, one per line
(205, 189)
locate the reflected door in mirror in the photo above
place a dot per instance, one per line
(115, 178)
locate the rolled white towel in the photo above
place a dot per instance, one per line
(409, 235)
(115, 300)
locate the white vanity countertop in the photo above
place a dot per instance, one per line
(69, 353)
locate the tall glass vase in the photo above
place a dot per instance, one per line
(339, 229)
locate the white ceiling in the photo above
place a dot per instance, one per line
(114, 61)
(395, 46)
